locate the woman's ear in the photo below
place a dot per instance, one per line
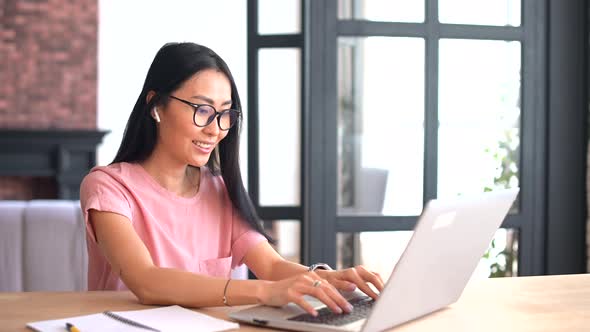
(149, 96)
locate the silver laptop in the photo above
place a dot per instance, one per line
(448, 241)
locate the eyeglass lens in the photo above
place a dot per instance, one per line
(205, 114)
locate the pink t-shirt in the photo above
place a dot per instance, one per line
(202, 234)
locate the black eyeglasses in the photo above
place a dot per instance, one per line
(204, 114)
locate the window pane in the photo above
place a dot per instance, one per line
(479, 116)
(279, 105)
(287, 233)
(279, 17)
(380, 252)
(382, 10)
(480, 12)
(380, 125)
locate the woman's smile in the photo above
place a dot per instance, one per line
(203, 146)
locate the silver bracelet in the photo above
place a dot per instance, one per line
(319, 266)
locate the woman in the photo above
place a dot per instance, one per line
(170, 217)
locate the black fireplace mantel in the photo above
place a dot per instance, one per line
(65, 155)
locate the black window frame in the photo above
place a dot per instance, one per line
(554, 62)
(257, 42)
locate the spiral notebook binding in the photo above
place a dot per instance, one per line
(128, 321)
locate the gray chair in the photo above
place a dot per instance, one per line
(371, 184)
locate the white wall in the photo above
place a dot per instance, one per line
(130, 34)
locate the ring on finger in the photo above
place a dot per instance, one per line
(317, 283)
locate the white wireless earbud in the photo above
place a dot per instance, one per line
(156, 116)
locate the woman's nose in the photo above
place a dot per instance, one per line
(212, 128)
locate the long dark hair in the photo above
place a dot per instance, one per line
(173, 65)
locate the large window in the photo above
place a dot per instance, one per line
(360, 111)
(421, 100)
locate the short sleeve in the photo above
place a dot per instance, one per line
(244, 237)
(101, 192)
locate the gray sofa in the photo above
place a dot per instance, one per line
(43, 247)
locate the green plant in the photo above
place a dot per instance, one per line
(506, 155)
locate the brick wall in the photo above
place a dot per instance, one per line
(48, 70)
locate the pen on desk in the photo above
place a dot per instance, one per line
(71, 328)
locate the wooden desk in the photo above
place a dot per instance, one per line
(548, 303)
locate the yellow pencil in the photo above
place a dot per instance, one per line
(71, 328)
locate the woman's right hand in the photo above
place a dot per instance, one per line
(279, 293)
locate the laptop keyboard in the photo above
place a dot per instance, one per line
(362, 306)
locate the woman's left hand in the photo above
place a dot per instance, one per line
(349, 279)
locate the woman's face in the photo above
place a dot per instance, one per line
(178, 134)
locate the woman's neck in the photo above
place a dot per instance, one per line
(181, 179)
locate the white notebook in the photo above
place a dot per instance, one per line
(172, 318)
